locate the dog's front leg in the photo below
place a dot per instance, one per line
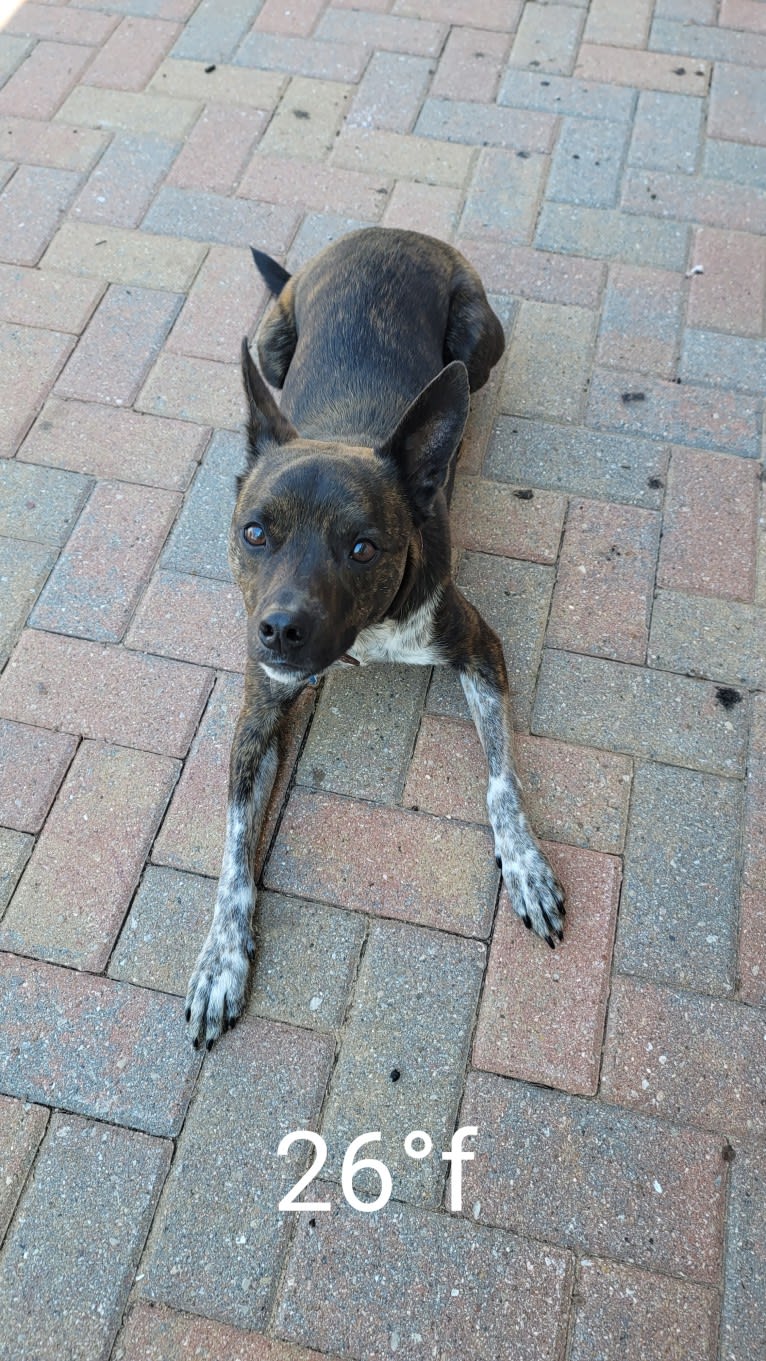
(534, 891)
(217, 988)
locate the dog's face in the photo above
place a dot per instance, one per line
(321, 531)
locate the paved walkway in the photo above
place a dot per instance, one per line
(604, 166)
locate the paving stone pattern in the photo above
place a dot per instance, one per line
(603, 165)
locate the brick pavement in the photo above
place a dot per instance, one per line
(604, 166)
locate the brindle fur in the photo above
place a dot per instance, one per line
(375, 345)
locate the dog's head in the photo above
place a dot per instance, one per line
(321, 531)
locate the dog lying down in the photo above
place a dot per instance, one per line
(340, 543)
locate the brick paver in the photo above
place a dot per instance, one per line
(603, 167)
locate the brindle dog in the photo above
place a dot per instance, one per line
(340, 541)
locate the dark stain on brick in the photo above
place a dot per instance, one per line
(209, 69)
(628, 397)
(655, 483)
(679, 70)
(301, 113)
(524, 494)
(523, 155)
(727, 696)
(728, 1153)
(395, 1074)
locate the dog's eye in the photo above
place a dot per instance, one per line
(364, 550)
(255, 535)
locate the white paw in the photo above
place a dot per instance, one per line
(217, 989)
(535, 893)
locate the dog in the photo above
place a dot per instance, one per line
(340, 542)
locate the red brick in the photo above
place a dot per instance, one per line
(729, 295)
(535, 274)
(102, 691)
(613, 23)
(119, 346)
(391, 92)
(576, 794)
(743, 14)
(708, 542)
(284, 16)
(470, 65)
(156, 1333)
(80, 596)
(602, 599)
(44, 80)
(417, 37)
(74, 894)
(225, 300)
(492, 518)
(217, 149)
(628, 1315)
(396, 864)
(199, 390)
(31, 208)
(129, 58)
(645, 70)
(30, 359)
(108, 441)
(752, 947)
(96, 1047)
(429, 208)
(61, 25)
(22, 1127)
(317, 186)
(192, 834)
(542, 1012)
(46, 298)
(693, 1059)
(737, 105)
(193, 618)
(55, 145)
(34, 762)
(596, 1178)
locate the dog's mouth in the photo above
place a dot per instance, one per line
(282, 670)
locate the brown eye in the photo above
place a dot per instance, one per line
(364, 550)
(255, 535)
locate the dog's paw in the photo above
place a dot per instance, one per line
(535, 893)
(217, 989)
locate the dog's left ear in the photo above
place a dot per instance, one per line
(266, 424)
(424, 442)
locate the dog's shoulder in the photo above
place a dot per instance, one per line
(410, 639)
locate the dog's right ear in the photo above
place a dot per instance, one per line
(266, 424)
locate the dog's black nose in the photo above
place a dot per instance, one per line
(282, 632)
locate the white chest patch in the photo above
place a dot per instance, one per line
(410, 640)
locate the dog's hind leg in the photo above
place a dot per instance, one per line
(217, 989)
(477, 655)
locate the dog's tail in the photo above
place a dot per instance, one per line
(274, 275)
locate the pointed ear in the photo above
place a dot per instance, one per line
(425, 440)
(266, 424)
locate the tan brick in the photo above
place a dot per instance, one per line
(403, 157)
(729, 294)
(225, 301)
(549, 339)
(50, 144)
(542, 1013)
(125, 257)
(141, 113)
(34, 764)
(115, 442)
(131, 55)
(613, 24)
(194, 390)
(502, 15)
(647, 70)
(22, 1127)
(429, 208)
(307, 119)
(283, 16)
(31, 208)
(191, 80)
(103, 692)
(61, 25)
(125, 333)
(470, 65)
(75, 891)
(547, 37)
(46, 298)
(157, 1333)
(492, 517)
